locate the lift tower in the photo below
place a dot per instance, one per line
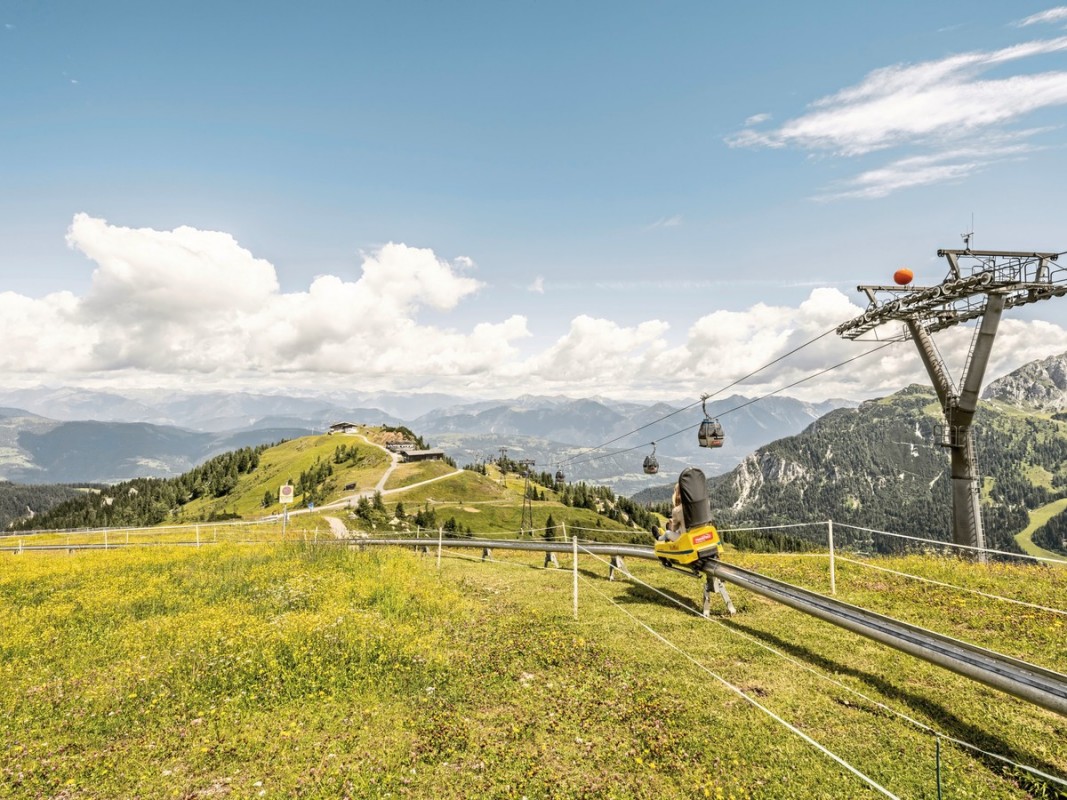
(526, 524)
(980, 285)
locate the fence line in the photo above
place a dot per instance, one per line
(146, 530)
(855, 692)
(746, 697)
(952, 544)
(820, 523)
(953, 586)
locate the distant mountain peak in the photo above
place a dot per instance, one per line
(1037, 386)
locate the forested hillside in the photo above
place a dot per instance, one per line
(880, 466)
(149, 501)
(1053, 534)
(19, 502)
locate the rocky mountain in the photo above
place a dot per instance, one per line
(879, 466)
(1038, 386)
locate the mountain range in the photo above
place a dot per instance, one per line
(1037, 386)
(35, 449)
(71, 435)
(875, 463)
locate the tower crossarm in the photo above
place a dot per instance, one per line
(1018, 278)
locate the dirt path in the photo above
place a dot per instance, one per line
(337, 528)
(350, 500)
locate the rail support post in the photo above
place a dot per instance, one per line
(830, 542)
(487, 554)
(712, 586)
(574, 567)
(550, 558)
(617, 565)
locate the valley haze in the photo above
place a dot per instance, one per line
(69, 435)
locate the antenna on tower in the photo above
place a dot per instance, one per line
(969, 235)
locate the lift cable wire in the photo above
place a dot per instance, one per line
(855, 692)
(579, 460)
(750, 700)
(698, 402)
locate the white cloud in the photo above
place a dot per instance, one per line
(1053, 15)
(932, 105)
(167, 308)
(756, 119)
(538, 285)
(595, 351)
(666, 222)
(191, 301)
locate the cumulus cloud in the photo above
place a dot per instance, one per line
(595, 351)
(168, 308)
(187, 300)
(538, 285)
(933, 106)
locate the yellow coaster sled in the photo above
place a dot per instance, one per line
(699, 542)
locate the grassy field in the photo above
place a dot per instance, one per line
(313, 671)
(285, 462)
(407, 474)
(1038, 517)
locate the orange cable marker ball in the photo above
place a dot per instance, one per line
(903, 276)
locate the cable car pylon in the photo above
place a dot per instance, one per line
(992, 281)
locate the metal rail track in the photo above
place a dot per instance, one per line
(1034, 684)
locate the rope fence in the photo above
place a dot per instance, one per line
(822, 676)
(939, 736)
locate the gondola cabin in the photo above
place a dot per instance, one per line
(560, 477)
(651, 465)
(699, 542)
(711, 433)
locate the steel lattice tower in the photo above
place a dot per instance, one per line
(980, 285)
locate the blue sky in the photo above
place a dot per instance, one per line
(583, 198)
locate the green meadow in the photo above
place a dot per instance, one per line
(325, 671)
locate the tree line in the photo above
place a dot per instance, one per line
(149, 501)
